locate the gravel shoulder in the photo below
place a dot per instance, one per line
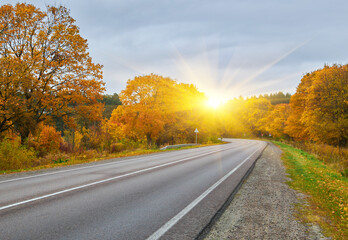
(263, 208)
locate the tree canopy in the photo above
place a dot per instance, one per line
(45, 68)
(319, 109)
(152, 104)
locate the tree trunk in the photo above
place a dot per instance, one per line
(24, 135)
(149, 140)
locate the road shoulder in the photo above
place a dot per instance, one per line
(263, 208)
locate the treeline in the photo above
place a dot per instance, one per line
(52, 107)
(317, 112)
(277, 98)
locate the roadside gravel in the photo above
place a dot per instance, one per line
(263, 208)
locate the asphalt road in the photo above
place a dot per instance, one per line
(170, 195)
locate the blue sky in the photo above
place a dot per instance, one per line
(227, 48)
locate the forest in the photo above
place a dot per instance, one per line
(53, 106)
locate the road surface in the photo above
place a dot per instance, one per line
(170, 195)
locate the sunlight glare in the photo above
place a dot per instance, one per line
(213, 103)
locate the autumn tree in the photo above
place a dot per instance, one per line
(295, 127)
(320, 107)
(274, 121)
(254, 110)
(186, 112)
(326, 112)
(146, 105)
(158, 109)
(45, 68)
(233, 116)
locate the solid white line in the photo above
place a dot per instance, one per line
(105, 180)
(75, 169)
(162, 230)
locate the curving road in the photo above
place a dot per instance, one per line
(170, 195)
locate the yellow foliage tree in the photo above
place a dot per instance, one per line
(319, 109)
(294, 126)
(274, 122)
(253, 112)
(45, 68)
(145, 105)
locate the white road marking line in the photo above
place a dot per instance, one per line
(106, 180)
(75, 169)
(162, 230)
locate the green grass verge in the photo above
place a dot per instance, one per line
(78, 160)
(327, 191)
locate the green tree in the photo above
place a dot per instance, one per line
(110, 103)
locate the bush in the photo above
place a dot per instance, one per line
(14, 156)
(54, 158)
(49, 140)
(117, 147)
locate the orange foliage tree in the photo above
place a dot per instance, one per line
(45, 68)
(49, 139)
(294, 125)
(156, 108)
(320, 107)
(144, 105)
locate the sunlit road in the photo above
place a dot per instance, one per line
(170, 195)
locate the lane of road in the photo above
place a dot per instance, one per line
(128, 199)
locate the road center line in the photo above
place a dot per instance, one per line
(107, 180)
(162, 230)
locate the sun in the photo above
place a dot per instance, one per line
(213, 102)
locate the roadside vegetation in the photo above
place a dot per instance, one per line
(325, 188)
(20, 159)
(54, 109)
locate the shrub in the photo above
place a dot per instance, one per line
(66, 147)
(49, 140)
(117, 147)
(14, 156)
(54, 158)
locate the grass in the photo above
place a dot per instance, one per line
(87, 158)
(333, 156)
(325, 188)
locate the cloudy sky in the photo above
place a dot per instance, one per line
(227, 48)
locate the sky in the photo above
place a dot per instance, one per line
(226, 48)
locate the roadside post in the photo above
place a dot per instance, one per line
(196, 131)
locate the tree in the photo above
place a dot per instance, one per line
(146, 105)
(294, 126)
(158, 109)
(45, 68)
(254, 111)
(326, 112)
(274, 122)
(319, 109)
(110, 103)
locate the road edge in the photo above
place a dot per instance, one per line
(219, 213)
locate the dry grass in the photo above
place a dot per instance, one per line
(57, 159)
(335, 157)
